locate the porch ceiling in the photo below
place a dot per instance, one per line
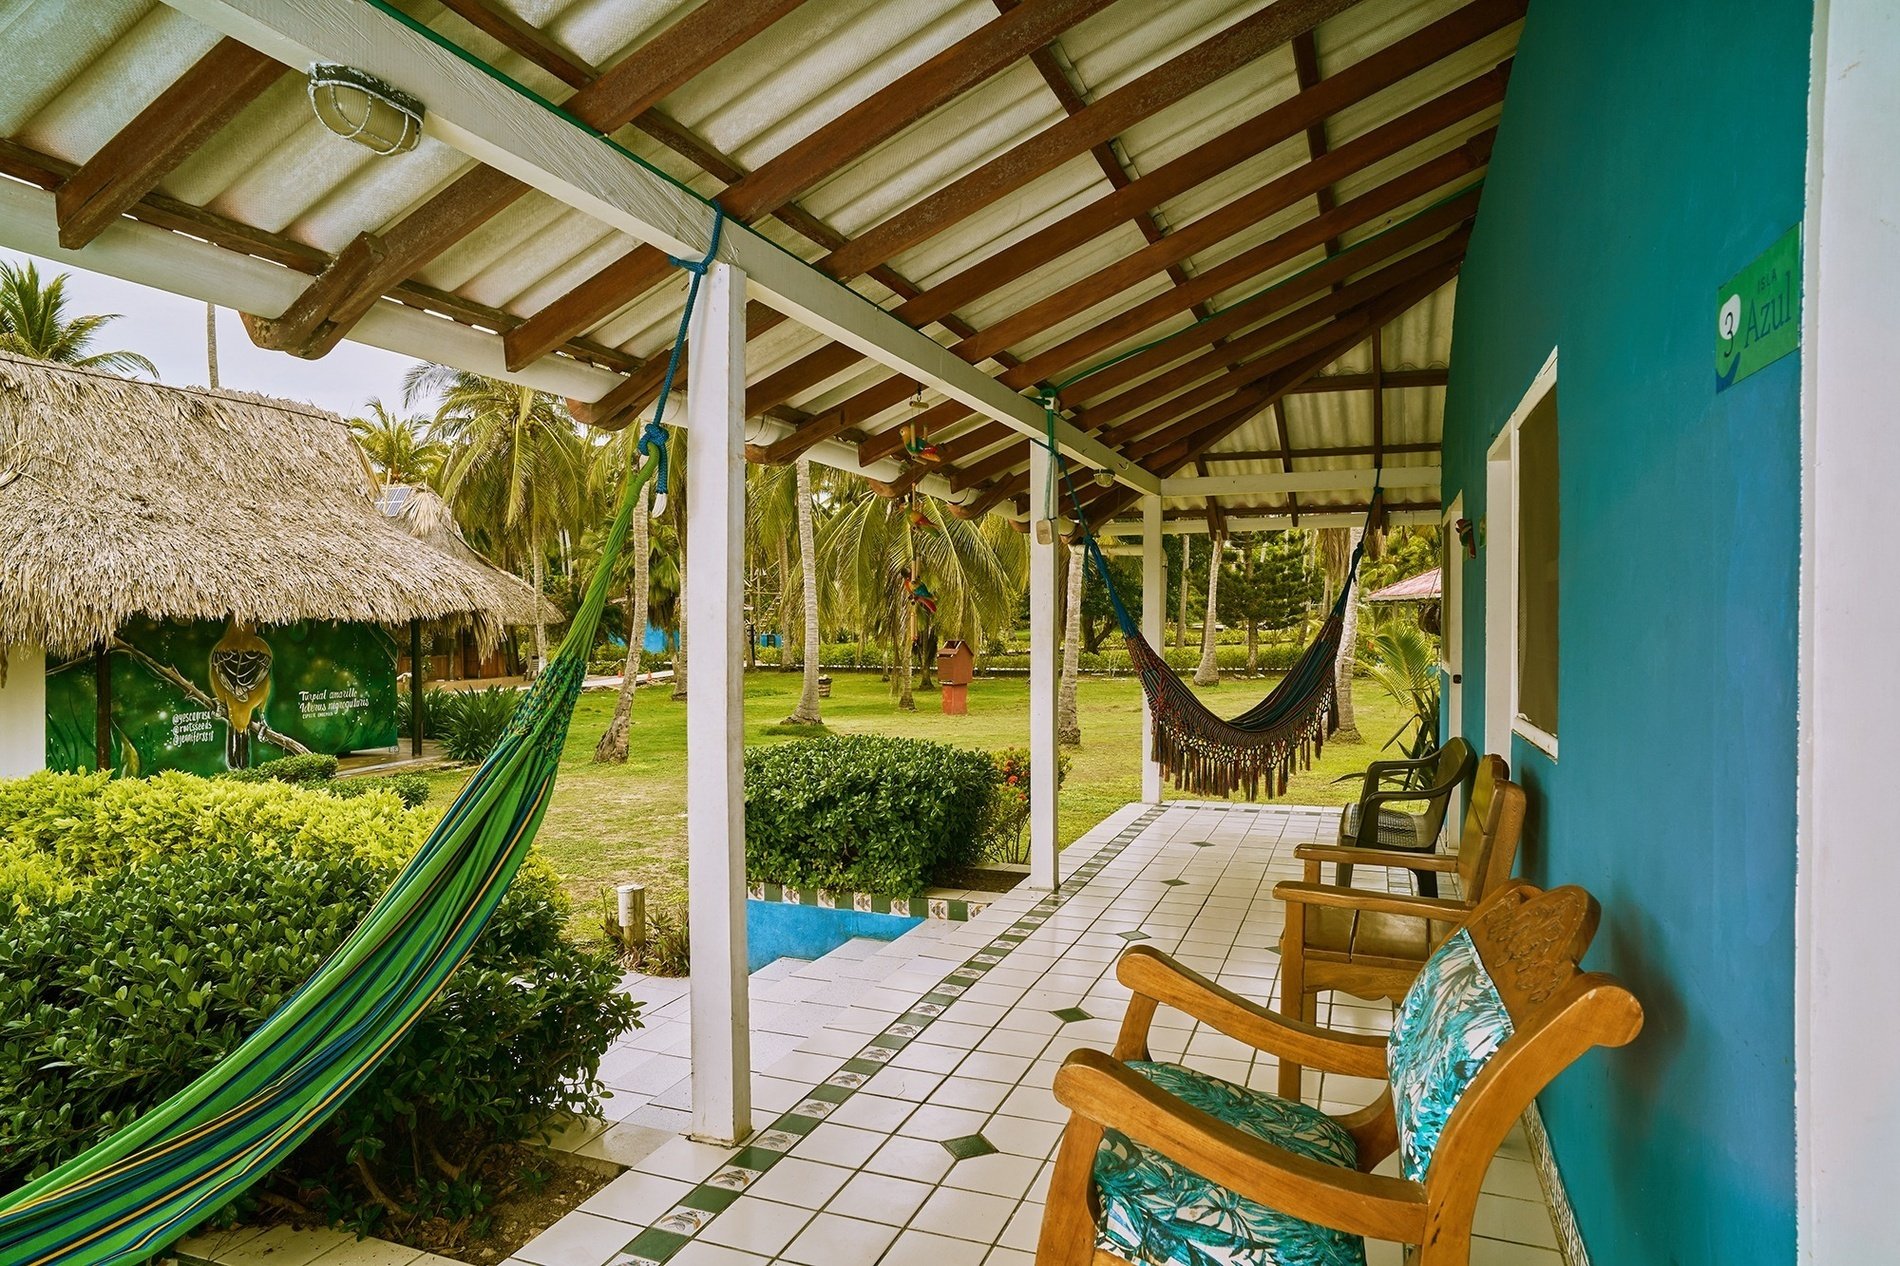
(1042, 186)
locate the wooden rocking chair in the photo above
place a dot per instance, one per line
(1164, 1166)
(1371, 944)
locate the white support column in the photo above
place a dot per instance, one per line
(22, 711)
(715, 708)
(1154, 602)
(1045, 870)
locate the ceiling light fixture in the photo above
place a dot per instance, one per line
(359, 107)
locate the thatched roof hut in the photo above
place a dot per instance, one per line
(121, 499)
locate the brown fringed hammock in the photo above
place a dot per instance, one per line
(1215, 756)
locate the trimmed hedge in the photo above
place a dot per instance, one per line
(151, 924)
(862, 813)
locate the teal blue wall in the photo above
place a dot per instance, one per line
(1648, 151)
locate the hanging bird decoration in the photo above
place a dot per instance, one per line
(920, 520)
(240, 678)
(917, 434)
(919, 592)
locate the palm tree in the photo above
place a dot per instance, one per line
(613, 744)
(1180, 610)
(399, 447)
(515, 467)
(33, 322)
(975, 569)
(806, 713)
(1068, 719)
(1336, 546)
(1208, 674)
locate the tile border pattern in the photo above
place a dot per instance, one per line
(1562, 1216)
(953, 909)
(679, 1226)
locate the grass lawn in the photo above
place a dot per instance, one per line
(612, 823)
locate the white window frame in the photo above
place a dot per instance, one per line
(1503, 527)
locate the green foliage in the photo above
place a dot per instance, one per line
(669, 950)
(1284, 587)
(306, 768)
(471, 722)
(33, 323)
(868, 814)
(1008, 812)
(411, 789)
(1408, 551)
(184, 910)
(1404, 663)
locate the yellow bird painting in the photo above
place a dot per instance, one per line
(240, 678)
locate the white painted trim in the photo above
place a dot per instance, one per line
(1266, 521)
(1299, 481)
(1045, 630)
(715, 709)
(1846, 995)
(493, 121)
(1154, 603)
(1500, 552)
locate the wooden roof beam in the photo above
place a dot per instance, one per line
(1261, 258)
(1355, 84)
(372, 263)
(962, 66)
(185, 115)
(1109, 115)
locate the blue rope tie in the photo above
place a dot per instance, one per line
(653, 438)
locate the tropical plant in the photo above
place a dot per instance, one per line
(470, 722)
(399, 447)
(516, 469)
(33, 323)
(1404, 664)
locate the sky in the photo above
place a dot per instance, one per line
(171, 331)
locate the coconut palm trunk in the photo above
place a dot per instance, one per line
(807, 711)
(1068, 720)
(1208, 674)
(679, 642)
(539, 566)
(1348, 650)
(787, 625)
(613, 744)
(1180, 610)
(900, 659)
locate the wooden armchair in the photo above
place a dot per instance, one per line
(1163, 1166)
(1374, 822)
(1372, 944)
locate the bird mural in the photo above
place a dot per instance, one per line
(240, 678)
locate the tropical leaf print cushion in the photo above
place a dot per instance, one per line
(1451, 1023)
(1160, 1213)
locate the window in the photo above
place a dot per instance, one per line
(1537, 586)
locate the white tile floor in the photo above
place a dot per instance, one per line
(862, 1170)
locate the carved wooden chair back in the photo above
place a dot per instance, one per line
(1494, 823)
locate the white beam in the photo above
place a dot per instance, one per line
(1298, 481)
(196, 269)
(715, 708)
(1279, 521)
(1045, 870)
(490, 119)
(1154, 600)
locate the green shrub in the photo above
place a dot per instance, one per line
(863, 813)
(307, 767)
(411, 789)
(471, 722)
(137, 977)
(1008, 811)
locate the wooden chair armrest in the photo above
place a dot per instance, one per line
(1440, 909)
(1111, 1094)
(1397, 858)
(1153, 975)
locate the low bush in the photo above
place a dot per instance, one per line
(868, 814)
(411, 789)
(184, 911)
(1003, 839)
(471, 722)
(306, 767)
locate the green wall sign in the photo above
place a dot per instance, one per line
(1758, 313)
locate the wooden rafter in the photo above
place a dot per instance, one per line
(1349, 87)
(185, 115)
(1263, 340)
(1408, 187)
(1108, 115)
(968, 62)
(372, 263)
